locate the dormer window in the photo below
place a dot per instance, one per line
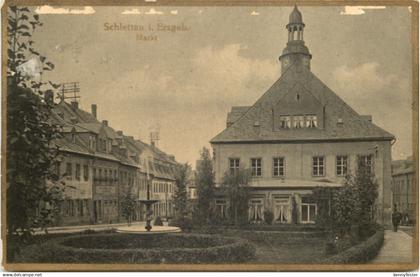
(311, 121)
(298, 121)
(285, 122)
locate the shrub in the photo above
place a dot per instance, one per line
(158, 221)
(185, 223)
(130, 248)
(268, 217)
(361, 253)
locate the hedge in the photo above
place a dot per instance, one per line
(133, 248)
(361, 253)
(15, 245)
(273, 235)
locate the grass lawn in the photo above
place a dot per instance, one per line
(301, 251)
(272, 250)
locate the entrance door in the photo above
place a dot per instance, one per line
(255, 212)
(281, 210)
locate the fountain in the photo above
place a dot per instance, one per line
(149, 215)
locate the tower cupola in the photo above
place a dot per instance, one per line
(296, 25)
(295, 51)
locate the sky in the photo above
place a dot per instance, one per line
(184, 83)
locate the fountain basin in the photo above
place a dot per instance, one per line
(140, 229)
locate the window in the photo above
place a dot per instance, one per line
(255, 213)
(308, 213)
(80, 202)
(285, 122)
(256, 170)
(318, 166)
(233, 165)
(308, 210)
(92, 142)
(278, 166)
(57, 171)
(311, 121)
(77, 171)
(282, 210)
(94, 175)
(341, 165)
(221, 209)
(100, 174)
(298, 121)
(69, 170)
(86, 172)
(365, 163)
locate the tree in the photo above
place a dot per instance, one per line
(34, 191)
(128, 205)
(182, 179)
(205, 186)
(21, 26)
(353, 204)
(235, 187)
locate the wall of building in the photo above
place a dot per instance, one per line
(298, 163)
(403, 195)
(77, 205)
(163, 190)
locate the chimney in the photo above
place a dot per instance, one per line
(131, 137)
(49, 97)
(105, 123)
(74, 105)
(94, 109)
(152, 143)
(120, 133)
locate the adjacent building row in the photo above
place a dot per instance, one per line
(100, 166)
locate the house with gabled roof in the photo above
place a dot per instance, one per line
(298, 136)
(101, 165)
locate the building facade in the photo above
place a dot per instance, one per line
(404, 190)
(297, 137)
(100, 166)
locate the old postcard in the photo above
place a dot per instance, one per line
(240, 136)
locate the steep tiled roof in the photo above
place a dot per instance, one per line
(236, 113)
(64, 113)
(77, 147)
(295, 79)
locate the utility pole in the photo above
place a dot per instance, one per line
(69, 91)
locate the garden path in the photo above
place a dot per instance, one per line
(397, 248)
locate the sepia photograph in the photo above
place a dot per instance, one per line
(210, 136)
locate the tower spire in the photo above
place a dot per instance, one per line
(295, 51)
(296, 25)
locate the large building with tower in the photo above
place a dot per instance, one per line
(300, 135)
(100, 166)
